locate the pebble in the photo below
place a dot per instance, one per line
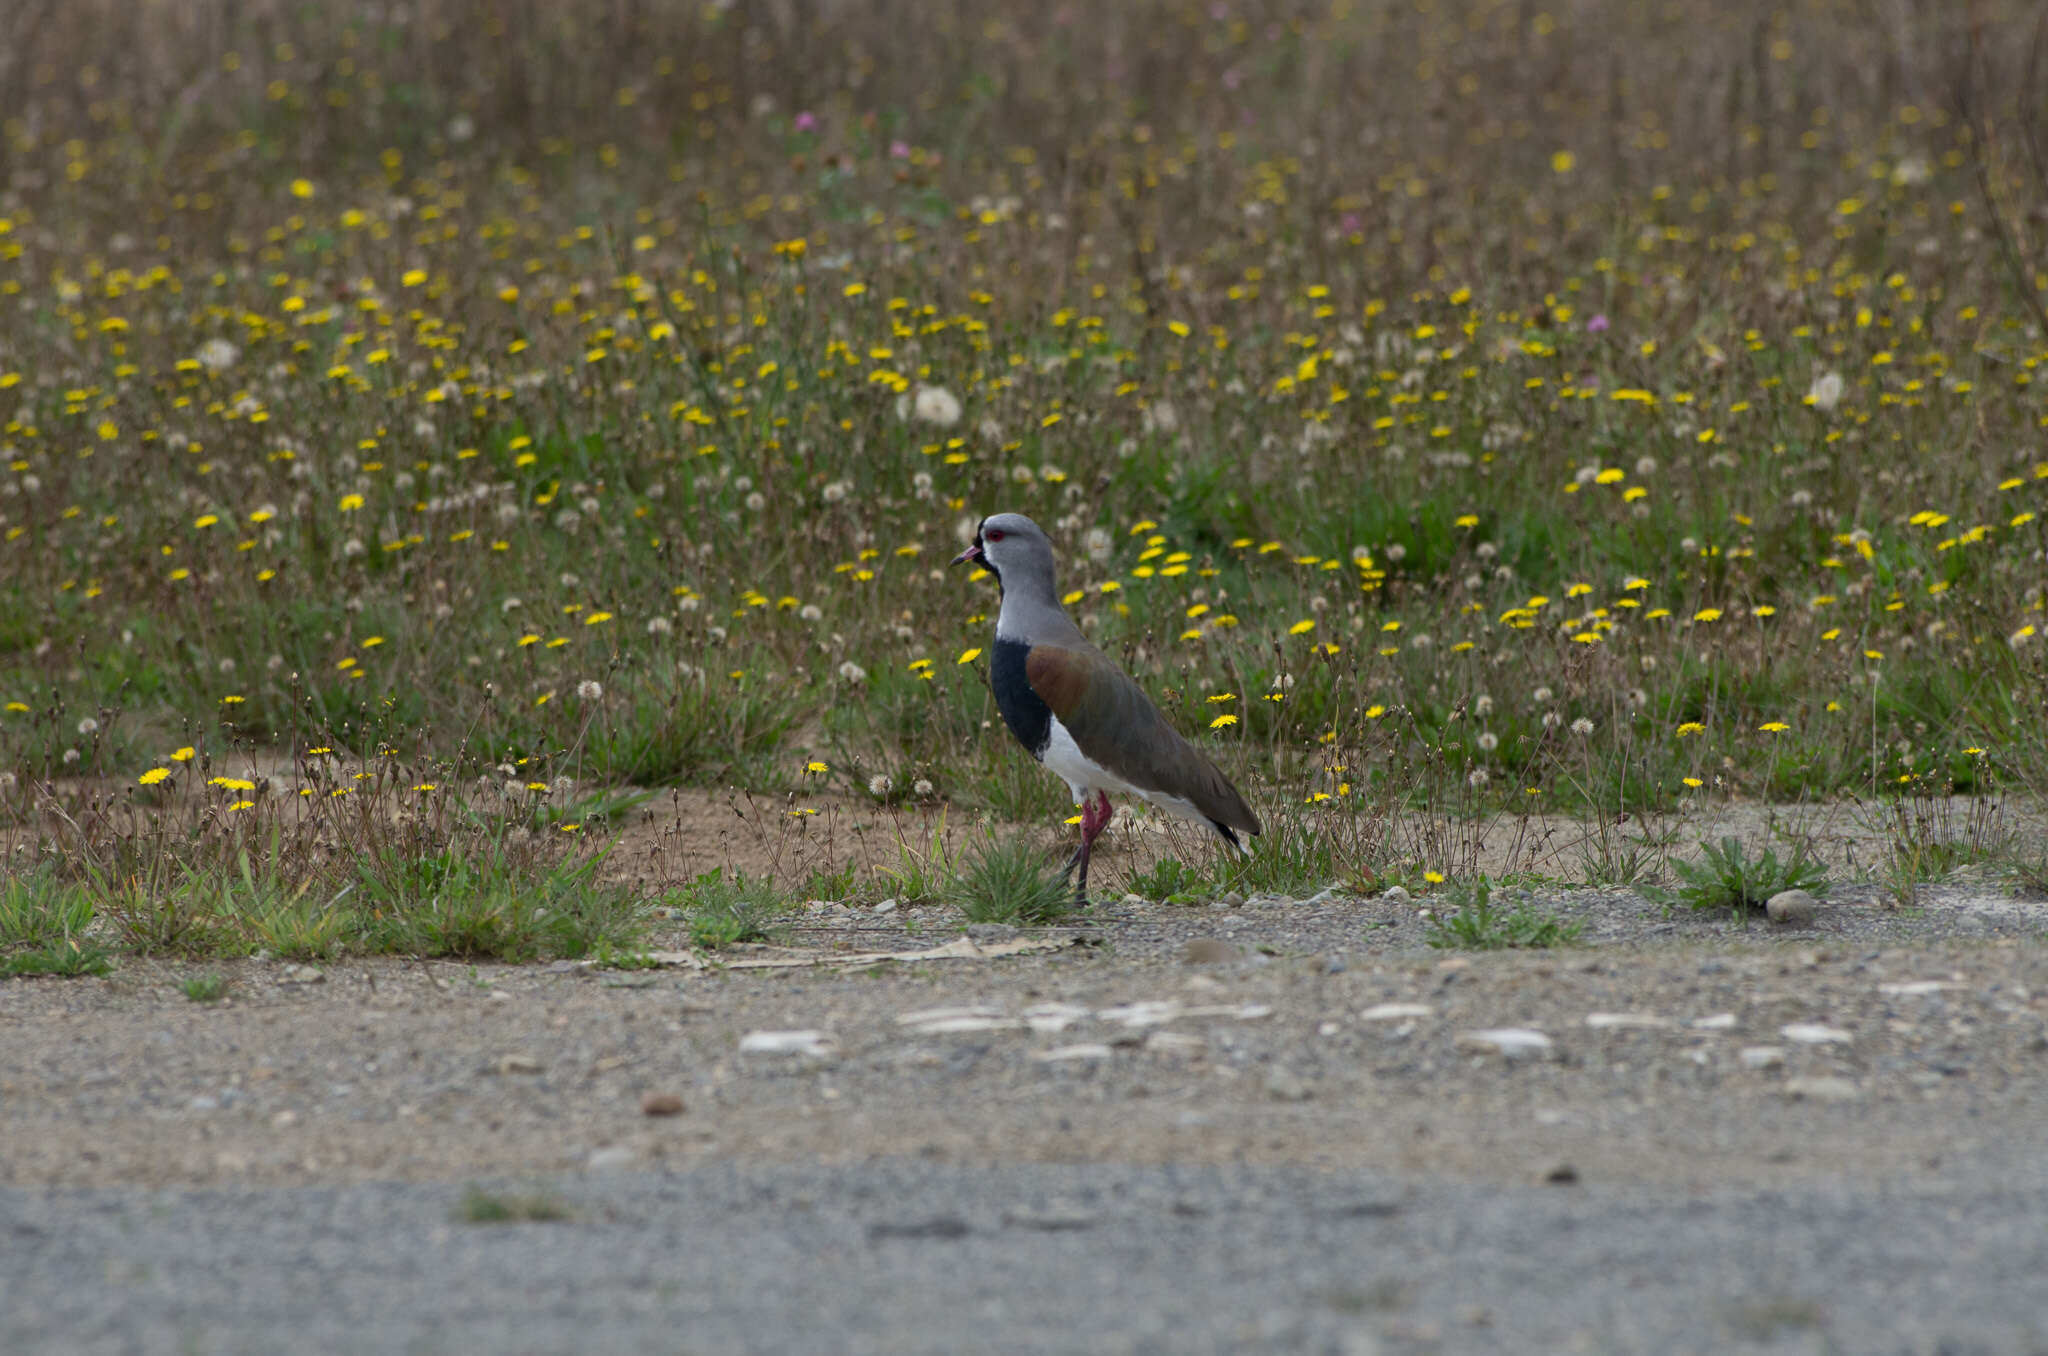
(1623, 1021)
(1790, 908)
(1390, 1012)
(516, 1064)
(661, 1104)
(1564, 1174)
(1285, 1085)
(1063, 1054)
(1509, 1042)
(1329, 894)
(1211, 951)
(301, 974)
(887, 905)
(1824, 1089)
(809, 1044)
(1815, 1033)
(1762, 1056)
(1396, 894)
(1232, 900)
(611, 1159)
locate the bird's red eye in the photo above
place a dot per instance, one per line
(995, 534)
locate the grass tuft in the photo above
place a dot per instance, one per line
(1009, 880)
(1729, 876)
(1477, 926)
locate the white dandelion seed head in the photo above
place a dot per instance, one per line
(590, 690)
(1551, 720)
(853, 673)
(1099, 545)
(1586, 475)
(226, 666)
(1582, 727)
(836, 492)
(811, 612)
(689, 602)
(88, 727)
(570, 579)
(659, 626)
(1161, 417)
(1827, 391)
(756, 502)
(936, 405)
(920, 787)
(1477, 777)
(1646, 466)
(921, 484)
(1397, 553)
(1541, 695)
(1021, 475)
(716, 635)
(70, 757)
(880, 785)
(1488, 742)
(217, 355)
(1486, 550)
(563, 785)
(1482, 706)
(351, 548)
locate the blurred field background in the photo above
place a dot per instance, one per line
(430, 427)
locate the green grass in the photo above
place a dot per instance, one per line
(44, 923)
(207, 988)
(1475, 925)
(1009, 880)
(1729, 875)
(722, 910)
(479, 1206)
(553, 410)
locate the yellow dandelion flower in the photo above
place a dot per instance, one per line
(1691, 727)
(1707, 614)
(1223, 721)
(597, 617)
(1774, 727)
(969, 655)
(155, 775)
(1302, 628)
(184, 755)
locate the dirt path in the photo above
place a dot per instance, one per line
(1876, 1053)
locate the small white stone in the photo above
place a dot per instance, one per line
(1393, 1012)
(1395, 894)
(1065, 1053)
(1720, 1021)
(1053, 1018)
(887, 906)
(1790, 908)
(811, 1044)
(611, 1159)
(1762, 1056)
(1509, 1042)
(301, 974)
(1915, 988)
(1623, 1021)
(1815, 1033)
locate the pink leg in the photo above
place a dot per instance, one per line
(1095, 817)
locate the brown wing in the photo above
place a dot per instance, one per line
(1116, 725)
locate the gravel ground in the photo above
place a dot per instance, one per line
(1284, 1125)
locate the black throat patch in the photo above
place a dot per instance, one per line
(1027, 715)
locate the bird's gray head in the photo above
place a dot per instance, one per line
(1015, 550)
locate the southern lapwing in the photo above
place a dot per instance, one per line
(1077, 712)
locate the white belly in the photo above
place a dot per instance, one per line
(1063, 758)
